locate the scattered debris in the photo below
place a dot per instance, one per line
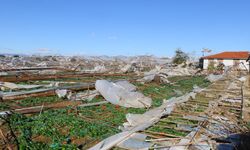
(203, 118)
(61, 93)
(5, 96)
(57, 85)
(138, 122)
(161, 74)
(135, 142)
(87, 95)
(213, 78)
(90, 64)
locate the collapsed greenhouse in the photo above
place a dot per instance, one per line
(133, 103)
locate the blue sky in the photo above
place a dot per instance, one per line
(123, 27)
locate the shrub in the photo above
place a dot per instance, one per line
(180, 57)
(211, 66)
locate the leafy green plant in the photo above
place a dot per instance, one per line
(32, 101)
(4, 106)
(167, 130)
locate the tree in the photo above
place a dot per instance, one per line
(211, 66)
(180, 57)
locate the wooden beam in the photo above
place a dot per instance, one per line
(161, 133)
(33, 68)
(44, 92)
(33, 77)
(37, 109)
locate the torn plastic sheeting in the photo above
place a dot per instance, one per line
(147, 78)
(138, 126)
(163, 78)
(86, 95)
(100, 69)
(3, 113)
(156, 113)
(213, 78)
(117, 138)
(129, 68)
(153, 114)
(122, 93)
(136, 119)
(6, 94)
(165, 73)
(135, 142)
(126, 68)
(126, 85)
(232, 100)
(243, 79)
(165, 109)
(61, 93)
(14, 86)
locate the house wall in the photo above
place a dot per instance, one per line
(205, 63)
(226, 62)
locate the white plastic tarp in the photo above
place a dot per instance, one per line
(122, 93)
(13, 86)
(135, 142)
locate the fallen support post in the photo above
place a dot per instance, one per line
(44, 92)
(5, 140)
(93, 104)
(32, 68)
(35, 77)
(39, 109)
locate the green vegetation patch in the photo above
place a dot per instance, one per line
(33, 101)
(184, 84)
(167, 130)
(59, 127)
(4, 106)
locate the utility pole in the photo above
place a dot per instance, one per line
(205, 50)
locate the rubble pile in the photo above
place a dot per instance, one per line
(91, 64)
(185, 113)
(161, 73)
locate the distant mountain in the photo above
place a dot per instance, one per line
(10, 54)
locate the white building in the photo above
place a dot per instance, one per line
(238, 59)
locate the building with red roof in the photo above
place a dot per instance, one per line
(238, 59)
